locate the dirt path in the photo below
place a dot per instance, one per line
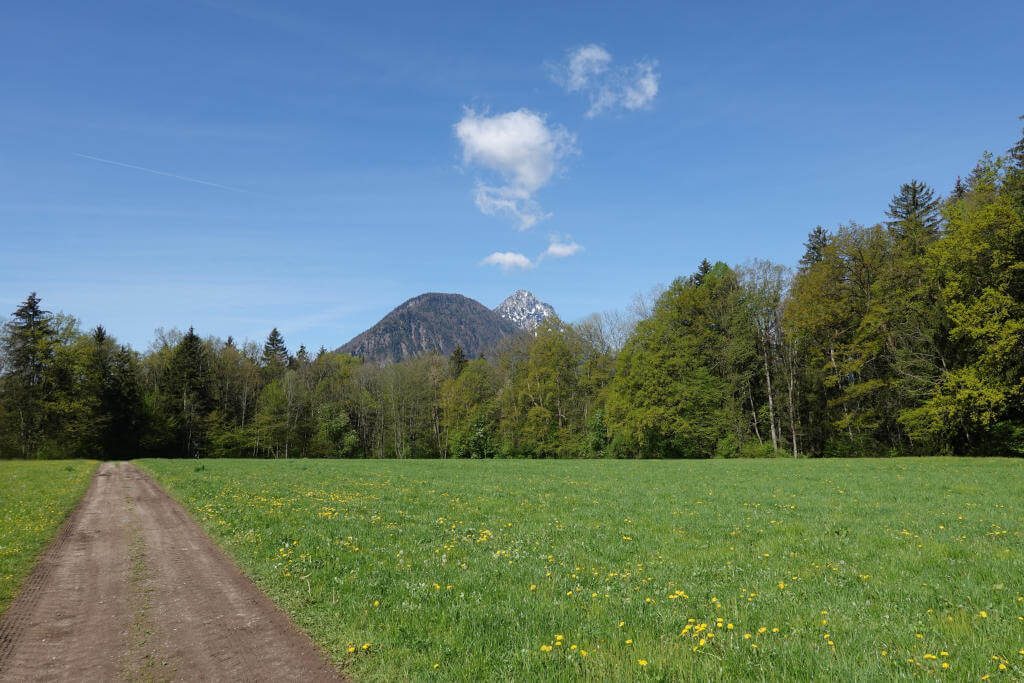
(132, 588)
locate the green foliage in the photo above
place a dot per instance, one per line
(899, 338)
(671, 394)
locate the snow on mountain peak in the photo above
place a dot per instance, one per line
(524, 309)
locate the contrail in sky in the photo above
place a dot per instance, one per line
(163, 173)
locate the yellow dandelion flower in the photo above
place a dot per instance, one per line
(643, 662)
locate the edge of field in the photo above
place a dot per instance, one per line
(60, 523)
(238, 562)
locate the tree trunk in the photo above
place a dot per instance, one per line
(771, 400)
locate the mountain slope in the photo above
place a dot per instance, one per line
(524, 310)
(431, 322)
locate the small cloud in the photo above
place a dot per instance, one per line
(588, 69)
(584, 65)
(507, 260)
(560, 249)
(525, 153)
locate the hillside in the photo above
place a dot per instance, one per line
(431, 322)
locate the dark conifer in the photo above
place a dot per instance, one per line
(914, 210)
(814, 247)
(457, 362)
(275, 353)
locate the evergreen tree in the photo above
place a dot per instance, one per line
(301, 358)
(702, 270)
(457, 362)
(914, 210)
(188, 398)
(28, 346)
(959, 188)
(1013, 185)
(275, 355)
(814, 247)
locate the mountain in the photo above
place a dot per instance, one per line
(524, 310)
(431, 322)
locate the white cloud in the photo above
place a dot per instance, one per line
(523, 150)
(588, 69)
(585, 64)
(507, 260)
(560, 249)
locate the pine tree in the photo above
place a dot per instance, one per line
(301, 358)
(814, 247)
(27, 346)
(275, 354)
(959, 188)
(457, 362)
(1013, 185)
(188, 397)
(914, 210)
(702, 270)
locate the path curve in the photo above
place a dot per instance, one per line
(132, 588)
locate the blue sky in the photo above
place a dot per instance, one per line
(319, 163)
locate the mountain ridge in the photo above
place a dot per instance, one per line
(433, 321)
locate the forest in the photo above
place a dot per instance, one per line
(900, 338)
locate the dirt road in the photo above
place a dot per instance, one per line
(133, 589)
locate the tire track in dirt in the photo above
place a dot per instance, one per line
(133, 588)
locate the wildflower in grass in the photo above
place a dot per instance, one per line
(545, 648)
(982, 614)
(642, 662)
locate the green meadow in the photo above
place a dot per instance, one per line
(35, 498)
(520, 569)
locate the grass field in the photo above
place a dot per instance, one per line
(841, 569)
(35, 497)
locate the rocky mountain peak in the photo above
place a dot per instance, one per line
(524, 310)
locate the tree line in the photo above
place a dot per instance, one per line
(900, 338)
